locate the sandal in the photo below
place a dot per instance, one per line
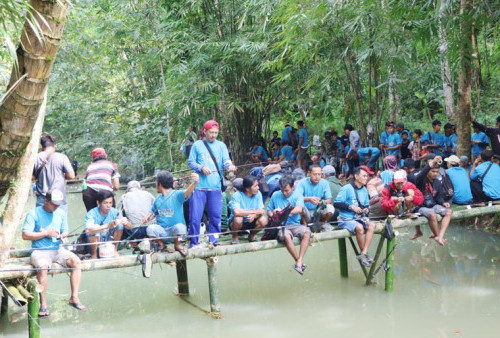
(43, 312)
(78, 306)
(298, 269)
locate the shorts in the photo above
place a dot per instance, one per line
(135, 233)
(41, 258)
(246, 225)
(438, 209)
(156, 230)
(308, 214)
(292, 230)
(351, 225)
(301, 155)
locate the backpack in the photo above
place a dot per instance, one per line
(277, 219)
(447, 186)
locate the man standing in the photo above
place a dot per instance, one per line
(433, 140)
(479, 142)
(50, 170)
(317, 196)
(353, 204)
(102, 175)
(392, 142)
(302, 146)
(247, 210)
(281, 199)
(208, 158)
(355, 145)
(286, 134)
(493, 133)
(45, 226)
(450, 141)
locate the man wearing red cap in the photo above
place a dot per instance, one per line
(208, 192)
(101, 175)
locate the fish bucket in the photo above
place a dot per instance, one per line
(106, 250)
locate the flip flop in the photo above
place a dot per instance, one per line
(298, 269)
(235, 242)
(43, 312)
(78, 306)
(253, 240)
(183, 251)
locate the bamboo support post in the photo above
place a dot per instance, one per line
(19, 300)
(343, 258)
(389, 274)
(4, 306)
(363, 268)
(182, 278)
(375, 260)
(33, 308)
(212, 287)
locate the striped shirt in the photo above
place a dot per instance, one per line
(100, 174)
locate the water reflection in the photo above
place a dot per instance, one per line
(450, 291)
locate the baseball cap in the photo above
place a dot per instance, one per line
(464, 158)
(55, 196)
(211, 124)
(133, 185)
(430, 156)
(399, 176)
(328, 170)
(453, 159)
(365, 168)
(409, 163)
(98, 152)
(238, 183)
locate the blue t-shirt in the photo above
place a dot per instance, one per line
(95, 216)
(347, 195)
(199, 157)
(363, 153)
(461, 185)
(433, 138)
(478, 148)
(276, 153)
(450, 142)
(279, 201)
(261, 151)
(383, 137)
(284, 134)
(168, 208)
(491, 182)
(287, 151)
(39, 220)
(393, 140)
(303, 133)
(241, 201)
(386, 176)
(307, 189)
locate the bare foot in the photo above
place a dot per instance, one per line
(117, 254)
(441, 241)
(417, 235)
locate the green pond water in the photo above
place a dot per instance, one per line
(451, 291)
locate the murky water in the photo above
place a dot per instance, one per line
(438, 292)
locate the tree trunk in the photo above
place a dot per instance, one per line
(445, 66)
(20, 109)
(476, 73)
(464, 79)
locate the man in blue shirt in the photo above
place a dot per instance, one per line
(433, 140)
(460, 180)
(286, 134)
(393, 141)
(353, 204)
(208, 191)
(368, 156)
(479, 142)
(102, 223)
(302, 146)
(45, 226)
(258, 154)
(383, 136)
(169, 212)
(286, 152)
(485, 178)
(279, 201)
(450, 141)
(247, 210)
(317, 196)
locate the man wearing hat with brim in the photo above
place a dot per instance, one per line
(45, 226)
(460, 179)
(208, 192)
(101, 175)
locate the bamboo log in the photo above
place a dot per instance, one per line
(375, 260)
(14, 293)
(25, 293)
(344, 271)
(182, 278)
(212, 287)
(33, 308)
(223, 250)
(389, 274)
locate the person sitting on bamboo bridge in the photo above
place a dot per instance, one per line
(169, 212)
(317, 196)
(102, 223)
(280, 200)
(45, 226)
(247, 210)
(353, 204)
(400, 196)
(434, 203)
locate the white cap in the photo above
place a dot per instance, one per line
(399, 176)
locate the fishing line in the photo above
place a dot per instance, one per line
(19, 304)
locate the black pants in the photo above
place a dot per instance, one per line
(89, 197)
(478, 193)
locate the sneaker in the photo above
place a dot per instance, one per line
(369, 259)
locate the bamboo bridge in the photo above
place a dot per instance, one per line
(17, 274)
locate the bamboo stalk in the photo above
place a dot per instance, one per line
(212, 287)
(389, 274)
(375, 260)
(25, 293)
(33, 308)
(344, 271)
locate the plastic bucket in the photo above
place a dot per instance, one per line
(106, 250)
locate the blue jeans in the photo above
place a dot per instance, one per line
(213, 200)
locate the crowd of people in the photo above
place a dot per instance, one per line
(421, 175)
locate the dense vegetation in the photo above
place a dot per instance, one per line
(133, 75)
